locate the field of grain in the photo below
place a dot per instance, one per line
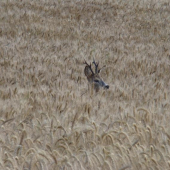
(48, 117)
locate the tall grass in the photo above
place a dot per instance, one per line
(48, 119)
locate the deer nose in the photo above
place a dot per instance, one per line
(107, 86)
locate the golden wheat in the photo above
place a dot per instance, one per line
(49, 118)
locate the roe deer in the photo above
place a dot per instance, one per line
(93, 77)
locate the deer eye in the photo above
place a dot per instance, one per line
(97, 81)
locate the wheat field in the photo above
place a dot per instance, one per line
(49, 120)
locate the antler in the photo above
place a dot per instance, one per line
(87, 65)
(96, 66)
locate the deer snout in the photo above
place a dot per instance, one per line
(106, 86)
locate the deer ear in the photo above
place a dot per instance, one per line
(101, 69)
(87, 71)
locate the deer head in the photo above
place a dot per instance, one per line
(93, 77)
